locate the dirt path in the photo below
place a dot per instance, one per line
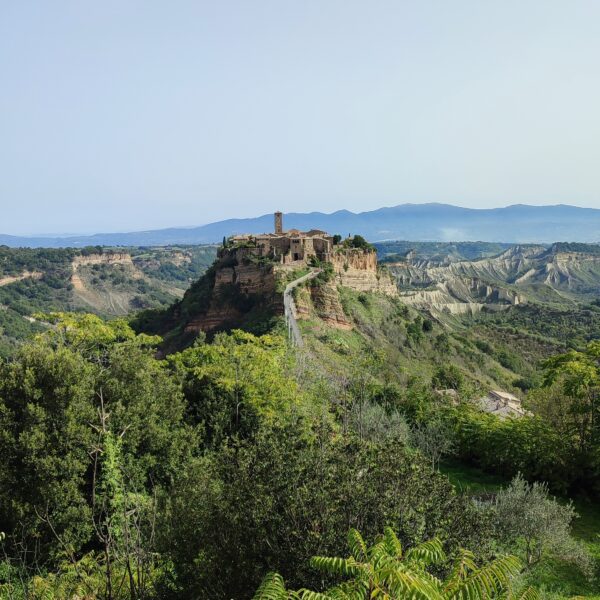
(289, 307)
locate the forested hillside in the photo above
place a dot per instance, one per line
(106, 281)
(220, 467)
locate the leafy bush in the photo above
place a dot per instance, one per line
(358, 241)
(448, 376)
(286, 497)
(509, 446)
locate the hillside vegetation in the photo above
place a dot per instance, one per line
(235, 465)
(109, 282)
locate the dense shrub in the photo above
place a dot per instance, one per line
(286, 497)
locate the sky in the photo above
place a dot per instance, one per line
(126, 115)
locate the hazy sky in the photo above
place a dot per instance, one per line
(123, 115)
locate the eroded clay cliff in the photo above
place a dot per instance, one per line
(358, 270)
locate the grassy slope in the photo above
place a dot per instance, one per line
(383, 324)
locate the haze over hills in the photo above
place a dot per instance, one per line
(518, 223)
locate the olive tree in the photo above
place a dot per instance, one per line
(527, 516)
(434, 439)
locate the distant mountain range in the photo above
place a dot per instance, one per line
(518, 223)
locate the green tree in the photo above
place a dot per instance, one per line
(50, 398)
(434, 439)
(528, 518)
(377, 424)
(238, 382)
(579, 376)
(508, 446)
(358, 241)
(414, 330)
(362, 388)
(448, 376)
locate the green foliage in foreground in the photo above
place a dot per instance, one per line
(197, 475)
(192, 476)
(528, 517)
(386, 571)
(282, 497)
(558, 575)
(237, 382)
(82, 378)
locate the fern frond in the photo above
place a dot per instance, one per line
(309, 595)
(399, 581)
(427, 553)
(337, 566)
(271, 588)
(488, 581)
(357, 545)
(530, 594)
(464, 564)
(392, 543)
(380, 556)
(351, 590)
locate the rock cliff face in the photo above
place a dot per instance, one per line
(216, 318)
(458, 296)
(8, 279)
(324, 301)
(109, 258)
(241, 283)
(358, 270)
(353, 268)
(238, 285)
(111, 302)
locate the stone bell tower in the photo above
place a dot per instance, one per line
(278, 222)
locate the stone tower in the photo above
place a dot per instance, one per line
(278, 222)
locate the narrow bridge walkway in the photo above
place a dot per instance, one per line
(290, 307)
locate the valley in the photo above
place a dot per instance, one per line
(300, 300)
(394, 342)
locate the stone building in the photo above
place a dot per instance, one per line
(289, 246)
(503, 404)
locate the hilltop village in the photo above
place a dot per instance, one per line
(288, 247)
(353, 260)
(253, 270)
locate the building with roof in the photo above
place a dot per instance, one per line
(502, 404)
(289, 246)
